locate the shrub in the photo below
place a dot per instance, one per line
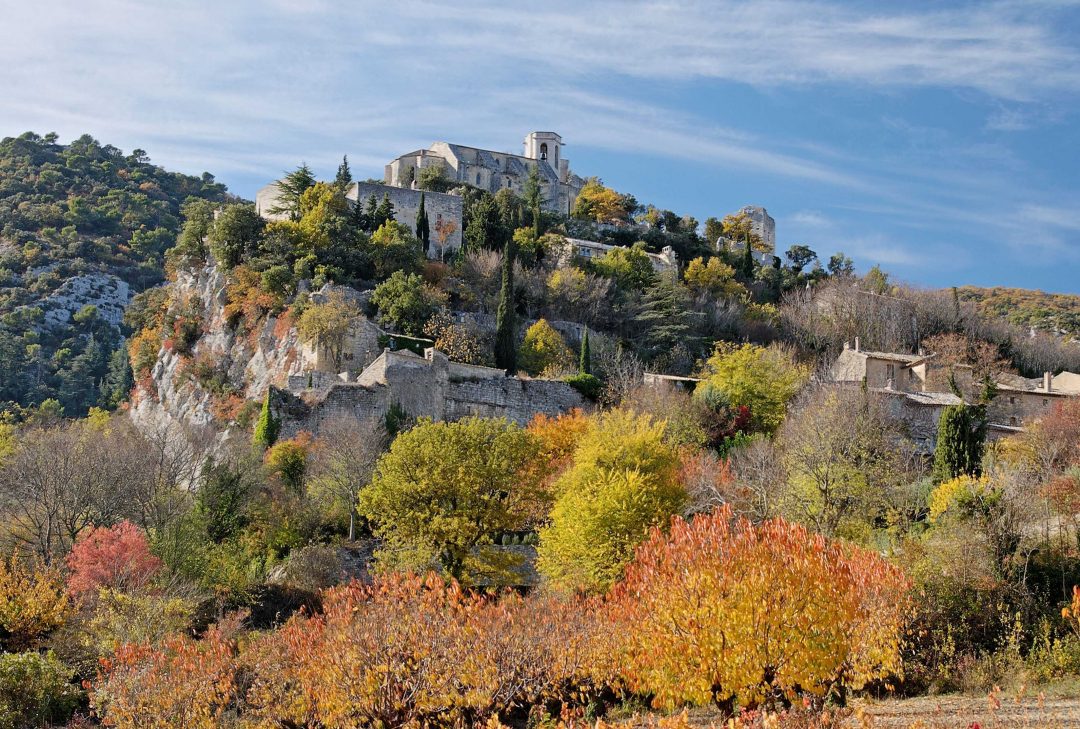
(766, 613)
(35, 690)
(588, 385)
(762, 379)
(117, 557)
(406, 303)
(33, 603)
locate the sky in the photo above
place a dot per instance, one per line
(939, 140)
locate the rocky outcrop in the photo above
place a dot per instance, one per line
(247, 362)
(107, 293)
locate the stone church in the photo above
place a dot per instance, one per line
(494, 171)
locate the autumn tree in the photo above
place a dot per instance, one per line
(544, 348)
(763, 379)
(456, 340)
(623, 479)
(116, 557)
(33, 603)
(765, 613)
(327, 325)
(445, 490)
(630, 268)
(602, 204)
(712, 277)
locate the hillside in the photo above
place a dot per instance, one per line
(82, 228)
(1048, 312)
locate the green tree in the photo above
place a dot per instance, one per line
(630, 268)
(622, 481)
(434, 179)
(961, 439)
(800, 257)
(290, 189)
(405, 302)
(763, 379)
(666, 316)
(505, 318)
(267, 427)
(423, 226)
(445, 490)
(221, 501)
(841, 265)
(384, 213)
(585, 358)
(198, 220)
(714, 230)
(235, 234)
(344, 176)
(533, 197)
(394, 248)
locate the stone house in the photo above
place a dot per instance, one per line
(885, 370)
(665, 260)
(494, 171)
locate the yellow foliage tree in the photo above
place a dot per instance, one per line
(624, 479)
(33, 603)
(713, 277)
(544, 349)
(763, 379)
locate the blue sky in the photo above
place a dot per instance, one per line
(939, 140)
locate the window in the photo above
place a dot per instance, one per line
(543, 151)
(890, 371)
(1012, 420)
(1012, 400)
(438, 220)
(1046, 401)
(478, 179)
(507, 182)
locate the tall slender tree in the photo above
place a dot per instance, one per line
(533, 198)
(505, 326)
(585, 360)
(423, 227)
(344, 175)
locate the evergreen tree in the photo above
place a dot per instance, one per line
(423, 227)
(344, 175)
(748, 260)
(371, 213)
(266, 429)
(960, 442)
(667, 316)
(384, 213)
(585, 360)
(291, 188)
(532, 197)
(505, 333)
(118, 381)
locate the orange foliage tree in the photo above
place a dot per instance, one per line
(722, 610)
(182, 683)
(117, 557)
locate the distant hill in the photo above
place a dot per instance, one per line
(1058, 313)
(83, 227)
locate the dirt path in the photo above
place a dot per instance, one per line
(963, 712)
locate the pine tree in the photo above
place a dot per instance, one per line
(384, 213)
(291, 188)
(266, 429)
(505, 334)
(585, 361)
(423, 227)
(960, 442)
(344, 175)
(371, 211)
(667, 315)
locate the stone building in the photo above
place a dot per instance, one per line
(665, 260)
(443, 213)
(912, 384)
(762, 225)
(494, 171)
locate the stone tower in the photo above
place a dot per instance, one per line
(547, 146)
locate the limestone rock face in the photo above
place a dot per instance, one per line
(104, 291)
(250, 363)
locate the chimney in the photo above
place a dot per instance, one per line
(1048, 381)
(856, 344)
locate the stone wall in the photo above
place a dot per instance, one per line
(440, 208)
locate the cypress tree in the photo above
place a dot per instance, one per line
(585, 361)
(371, 211)
(505, 334)
(960, 442)
(748, 259)
(423, 227)
(266, 429)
